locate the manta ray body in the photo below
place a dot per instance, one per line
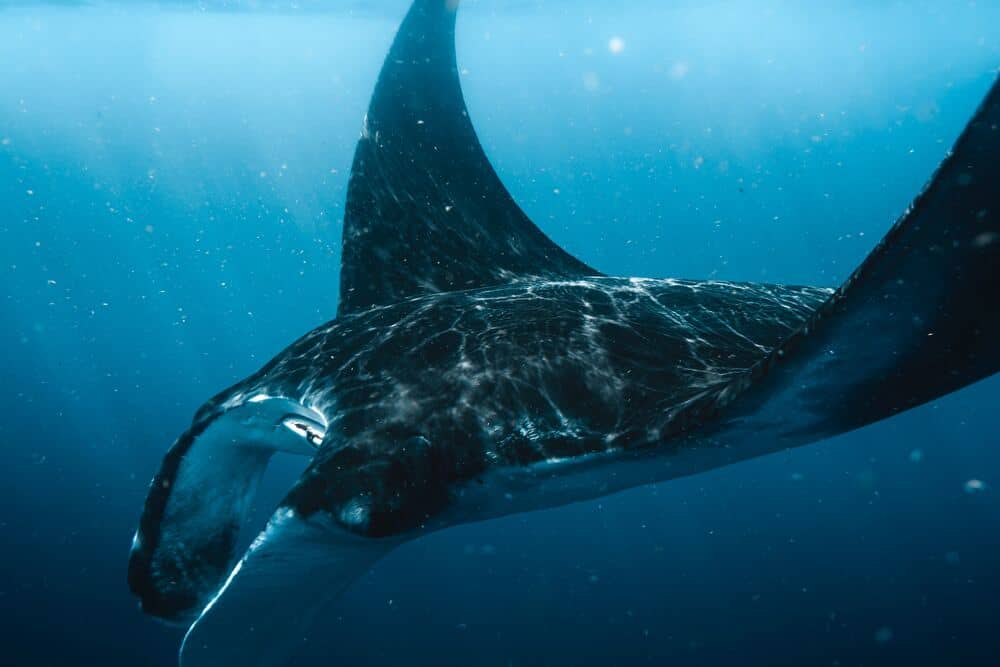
(476, 369)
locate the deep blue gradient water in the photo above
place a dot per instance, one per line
(172, 179)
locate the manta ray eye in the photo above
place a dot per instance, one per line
(311, 431)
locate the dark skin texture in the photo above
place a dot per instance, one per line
(441, 389)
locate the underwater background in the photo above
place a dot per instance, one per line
(172, 180)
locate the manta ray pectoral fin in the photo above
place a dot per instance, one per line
(425, 210)
(198, 501)
(918, 319)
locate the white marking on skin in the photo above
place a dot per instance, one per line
(354, 512)
(305, 429)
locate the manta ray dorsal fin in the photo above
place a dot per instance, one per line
(425, 210)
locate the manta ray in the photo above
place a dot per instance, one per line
(475, 369)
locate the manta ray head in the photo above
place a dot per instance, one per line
(198, 503)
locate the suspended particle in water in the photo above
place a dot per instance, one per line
(883, 635)
(974, 486)
(985, 239)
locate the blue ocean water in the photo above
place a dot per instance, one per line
(172, 178)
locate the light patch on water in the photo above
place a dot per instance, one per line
(679, 70)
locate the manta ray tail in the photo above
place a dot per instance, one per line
(918, 319)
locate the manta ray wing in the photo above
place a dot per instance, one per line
(425, 211)
(917, 320)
